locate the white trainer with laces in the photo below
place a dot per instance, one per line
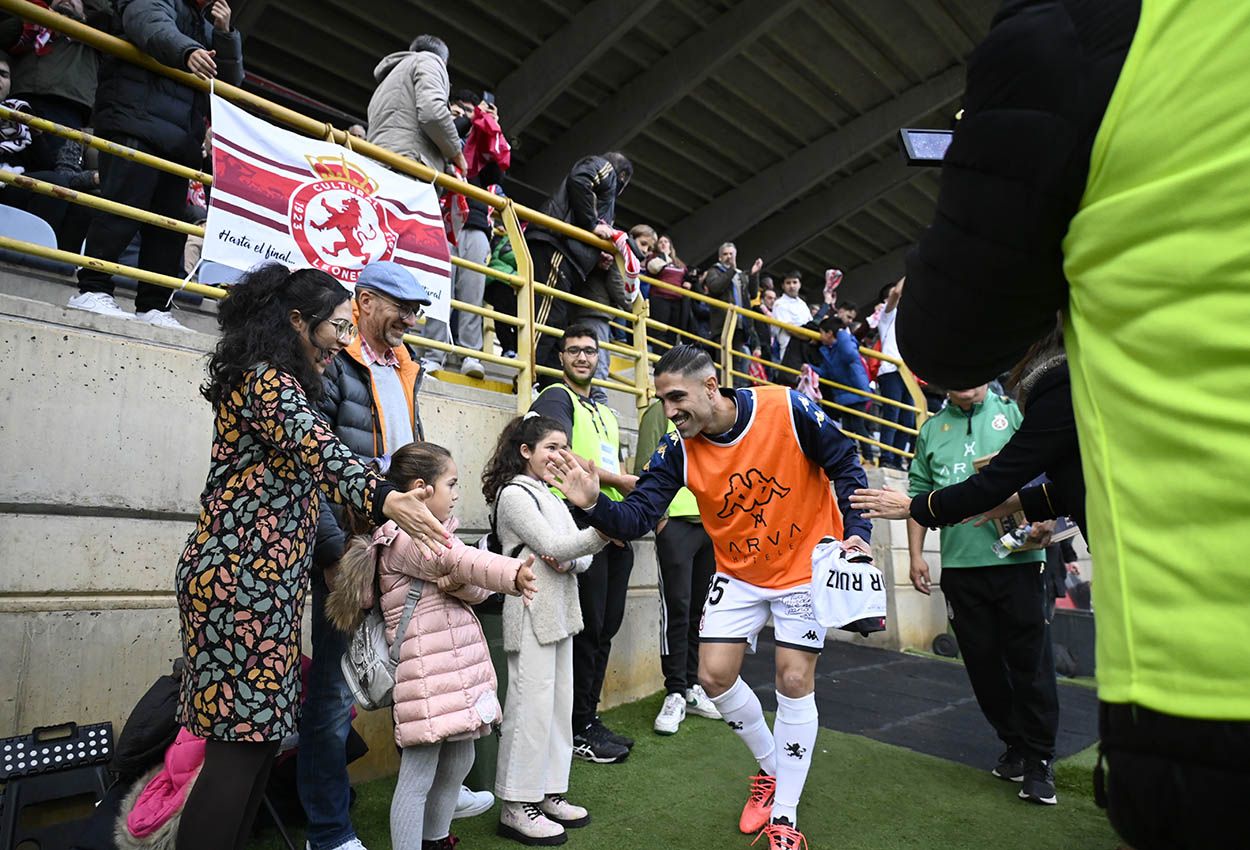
(472, 368)
(161, 319)
(700, 704)
(350, 844)
(472, 803)
(672, 713)
(99, 302)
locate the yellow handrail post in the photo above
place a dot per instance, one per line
(642, 370)
(917, 396)
(526, 374)
(727, 347)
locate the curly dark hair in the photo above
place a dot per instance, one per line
(506, 461)
(255, 321)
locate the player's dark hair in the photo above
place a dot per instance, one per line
(684, 360)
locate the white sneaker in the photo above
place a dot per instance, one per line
(472, 803)
(350, 844)
(472, 368)
(164, 319)
(672, 713)
(526, 823)
(99, 302)
(699, 703)
(560, 810)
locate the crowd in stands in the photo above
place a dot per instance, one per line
(335, 410)
(415, 112)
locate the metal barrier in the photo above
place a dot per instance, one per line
(635, 321)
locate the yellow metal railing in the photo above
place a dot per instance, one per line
(635, 322)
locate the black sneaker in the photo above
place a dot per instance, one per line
(593, 745)
(1039, 782)
(627, 743)
(1010, 766)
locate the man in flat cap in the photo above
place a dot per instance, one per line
(370, 400)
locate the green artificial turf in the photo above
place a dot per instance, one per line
(686, 792)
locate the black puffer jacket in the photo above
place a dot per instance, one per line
(586, 197)
(990, 268)
(167, 115)
(347, 403)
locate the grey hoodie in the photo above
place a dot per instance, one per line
(409, 113)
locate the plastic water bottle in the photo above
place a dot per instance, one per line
(1012, 541)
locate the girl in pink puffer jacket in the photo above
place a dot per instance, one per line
(444, 685)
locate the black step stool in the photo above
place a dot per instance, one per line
(51, 763)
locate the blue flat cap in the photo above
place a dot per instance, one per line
(394, 280)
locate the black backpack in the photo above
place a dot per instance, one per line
(489, 541)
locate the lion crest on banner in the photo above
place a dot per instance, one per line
(338, 224)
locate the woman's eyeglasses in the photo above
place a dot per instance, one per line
(344, 330)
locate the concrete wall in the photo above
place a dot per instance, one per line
(104, 445)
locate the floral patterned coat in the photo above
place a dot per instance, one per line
(243, 575)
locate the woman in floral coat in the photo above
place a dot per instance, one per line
(242, 577)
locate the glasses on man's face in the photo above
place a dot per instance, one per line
(582, 351)
(406, 311)
(344, 330)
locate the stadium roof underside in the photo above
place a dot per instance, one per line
(772, 123)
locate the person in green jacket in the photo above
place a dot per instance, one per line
(997, 606)
(687, 563)
(501, 295)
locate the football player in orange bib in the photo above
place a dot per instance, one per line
(759, 462)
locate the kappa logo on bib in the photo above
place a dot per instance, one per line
(750, 494)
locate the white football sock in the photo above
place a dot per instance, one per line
(742, 711)
(795, 736)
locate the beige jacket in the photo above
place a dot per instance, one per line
(540, 523)
(409, 113)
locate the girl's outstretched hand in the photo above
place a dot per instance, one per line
(526, 581)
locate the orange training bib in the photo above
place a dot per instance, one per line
(764, 503)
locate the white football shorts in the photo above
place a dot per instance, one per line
(735, 611)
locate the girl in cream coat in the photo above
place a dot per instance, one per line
(537, 746)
